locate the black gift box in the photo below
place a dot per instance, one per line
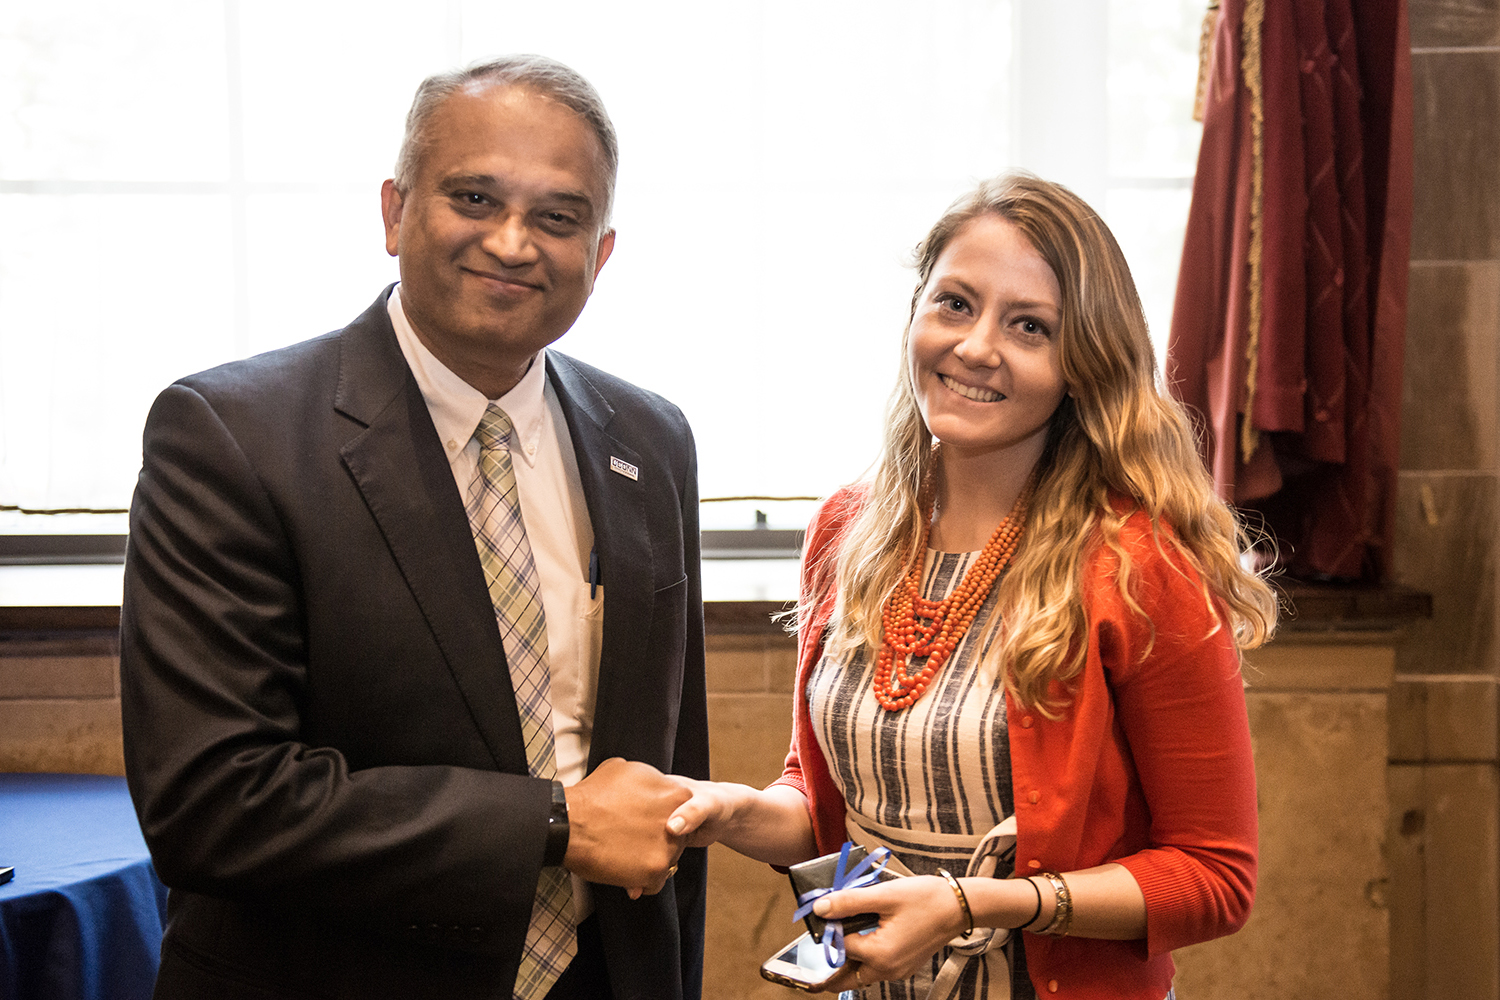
(819, 874)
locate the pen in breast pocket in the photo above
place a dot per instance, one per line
(593, 574)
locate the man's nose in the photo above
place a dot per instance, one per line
(510, 241)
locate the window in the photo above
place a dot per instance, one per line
(183, 183)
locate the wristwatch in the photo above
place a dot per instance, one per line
(557, 827)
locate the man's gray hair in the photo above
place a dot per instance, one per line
(547, 77)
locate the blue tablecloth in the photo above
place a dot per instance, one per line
(83, 917)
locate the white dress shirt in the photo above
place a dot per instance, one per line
(557, 526)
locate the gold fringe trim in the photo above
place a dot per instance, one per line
(1250, 66)
(1205, 49)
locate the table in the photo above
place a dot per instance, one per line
(83, 917)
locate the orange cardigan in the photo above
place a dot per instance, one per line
(1149, 765)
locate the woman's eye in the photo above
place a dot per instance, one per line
(1032, 327)
(951, 302)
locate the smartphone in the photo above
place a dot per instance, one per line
(800, 965)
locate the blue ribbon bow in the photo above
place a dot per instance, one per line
(867, 872)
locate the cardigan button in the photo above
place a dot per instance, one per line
(1026, 722)
(1034, 797)
(1033, 863)
(1052, 986)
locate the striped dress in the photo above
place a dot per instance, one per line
(930, 781)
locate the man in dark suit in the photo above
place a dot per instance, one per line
(379, 746)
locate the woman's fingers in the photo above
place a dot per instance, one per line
(848, 902)
(850, 977)
(698, 819)
(918, 915)
(687, 818)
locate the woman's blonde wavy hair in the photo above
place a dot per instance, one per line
(1116, 435)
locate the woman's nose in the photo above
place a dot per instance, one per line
(980, 347)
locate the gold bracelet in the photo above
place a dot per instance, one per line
(963, 901)
(1062, 913)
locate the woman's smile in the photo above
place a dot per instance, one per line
(977, 393)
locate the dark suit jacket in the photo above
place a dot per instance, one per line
(320, 733)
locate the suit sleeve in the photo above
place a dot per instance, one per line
(234, 798)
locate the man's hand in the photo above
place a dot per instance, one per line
(617, 819)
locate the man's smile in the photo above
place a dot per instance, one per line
(504, 283)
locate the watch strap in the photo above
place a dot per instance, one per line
(557, 827)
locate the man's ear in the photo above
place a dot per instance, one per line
(606, 247)
(391, 204)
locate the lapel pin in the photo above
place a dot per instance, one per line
(624, 468)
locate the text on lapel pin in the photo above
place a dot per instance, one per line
(623, 467)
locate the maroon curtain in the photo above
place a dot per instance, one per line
(1290, 318)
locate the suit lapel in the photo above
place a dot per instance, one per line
(622, 538)
(398, 464)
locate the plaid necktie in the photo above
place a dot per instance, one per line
(495, 515)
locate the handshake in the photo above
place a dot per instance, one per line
(620, 829)
(630, 823)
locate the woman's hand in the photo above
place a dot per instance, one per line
(704, 817)
(770, 825)
(918, 915)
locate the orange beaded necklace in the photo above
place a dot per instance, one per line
(913, 626)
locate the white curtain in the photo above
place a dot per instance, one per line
(184, 182)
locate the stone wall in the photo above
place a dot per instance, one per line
(60, 705)
(1445, 785)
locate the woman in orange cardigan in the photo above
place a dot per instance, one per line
(1057, 699)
